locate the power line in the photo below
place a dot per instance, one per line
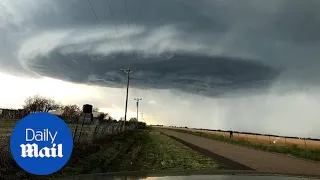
(100, 25)
(128, 21)
(114, 23)
(95, 15)
(97, 19)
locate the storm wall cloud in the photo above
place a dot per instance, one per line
(186, 72)
(251, 30)
(259, 31)
(211, 48)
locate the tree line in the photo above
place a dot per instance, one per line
(39, 103)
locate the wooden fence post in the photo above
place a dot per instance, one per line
(81, 129)
(75, 133)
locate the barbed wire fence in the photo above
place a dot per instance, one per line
(82, 131)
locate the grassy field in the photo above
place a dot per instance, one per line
(142, 150)
(278, 141)
(6, 127)
(132, 151)
(289, 149)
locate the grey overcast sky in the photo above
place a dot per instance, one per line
(249, 65)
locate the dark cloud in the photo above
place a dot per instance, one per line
(215, 46)
(289, 20)
(77, 13)
(244, 52)
(188, 72)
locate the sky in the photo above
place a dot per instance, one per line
(250, 65)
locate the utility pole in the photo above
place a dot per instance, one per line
(137, 99)
(142, 119)
(128, 71)
(142, 116)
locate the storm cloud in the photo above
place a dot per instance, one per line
(206, 47)
(192, 73)
(250, 65)
(192, 46)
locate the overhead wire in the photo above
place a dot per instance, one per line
(97, 19)
(112, 18)
(127, 14)
(128, 22)
(99, 23)
(114, 24)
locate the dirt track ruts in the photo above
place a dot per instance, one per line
(258, 160)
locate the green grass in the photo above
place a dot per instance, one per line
(161, 152)
(137, 150)
(293, 150)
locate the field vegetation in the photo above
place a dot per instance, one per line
(135, 150)
(269, 139)
(288, 149)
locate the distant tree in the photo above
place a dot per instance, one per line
(133, 120)
(108, 117)
(71, 110)
(101, 117)
(121, 119)
(38, 103)
(95, 109)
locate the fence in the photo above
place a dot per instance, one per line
(264, 138)
(99, 129)
(13, 113)
(82, 132)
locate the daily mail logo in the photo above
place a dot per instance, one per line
(32, 150)
(41, 143)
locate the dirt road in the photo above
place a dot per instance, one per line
(258, 160)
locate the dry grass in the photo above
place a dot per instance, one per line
(281, 141)
(262, 143)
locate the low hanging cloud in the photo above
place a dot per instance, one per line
(215, 46)
(170, 67)
(254, 60)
